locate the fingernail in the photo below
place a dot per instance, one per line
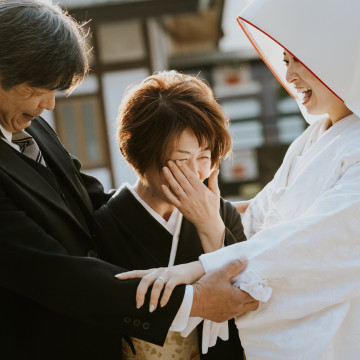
(138, 305)
(243, 260)
(171, 164)
(118, 275)
(178, 163)
(151, 308)
(166, 170)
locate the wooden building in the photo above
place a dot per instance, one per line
(133, 38)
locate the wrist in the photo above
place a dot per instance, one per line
(198, 270)
(211, 226)
(196, 307)
(212, 236)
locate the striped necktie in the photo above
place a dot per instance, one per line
(28, 146)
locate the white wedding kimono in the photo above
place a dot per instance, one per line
(304, 245)
(303, 228)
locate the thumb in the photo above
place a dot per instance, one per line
(235, 267)
(213, 182)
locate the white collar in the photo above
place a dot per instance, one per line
(169, 225)
(7, 134)
(173, 225)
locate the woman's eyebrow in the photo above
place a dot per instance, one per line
(183, 151)
(188, 152)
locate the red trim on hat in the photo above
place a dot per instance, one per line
(268, 65)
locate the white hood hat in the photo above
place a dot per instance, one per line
(324, 35)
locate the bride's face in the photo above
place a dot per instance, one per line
(315, 96)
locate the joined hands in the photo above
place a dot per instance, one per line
(215, 298)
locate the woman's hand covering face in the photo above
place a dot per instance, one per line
(197, 202)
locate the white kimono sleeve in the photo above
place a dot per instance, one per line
(311, 262)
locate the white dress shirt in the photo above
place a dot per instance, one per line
(8, 137)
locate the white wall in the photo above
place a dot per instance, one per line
(234, 38)
(114, 85)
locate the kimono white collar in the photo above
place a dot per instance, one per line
(173, 225)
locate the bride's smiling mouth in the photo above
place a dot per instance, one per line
(304, 94)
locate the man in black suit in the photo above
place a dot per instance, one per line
(57, 299)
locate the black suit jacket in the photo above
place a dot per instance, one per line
(142, 243)
(56, 300)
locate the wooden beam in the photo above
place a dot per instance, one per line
(134, 9)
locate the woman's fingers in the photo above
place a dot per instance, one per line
(182, 174)
(177, 188)
(133, 274)
(182, 170)
(148, 278)
(155, 293)
(183, 182)
(213, 182)
(142, 289)
(170, 196)
(176, 178)
(162, 279)
(169, 288)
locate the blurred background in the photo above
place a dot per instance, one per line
(131, 39)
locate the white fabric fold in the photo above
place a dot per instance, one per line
(253, 285)
(308, 254)
(211, 331)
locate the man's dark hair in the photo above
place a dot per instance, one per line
(40, 45)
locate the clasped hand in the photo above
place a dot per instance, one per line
(215, 298)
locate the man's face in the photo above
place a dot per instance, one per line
(22, 104)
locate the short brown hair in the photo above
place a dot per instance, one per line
(156, 112)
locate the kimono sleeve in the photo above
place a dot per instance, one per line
(311, 262)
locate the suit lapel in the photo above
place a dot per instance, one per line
(55, 153)
(28, 178)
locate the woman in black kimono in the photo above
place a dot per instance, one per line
(171, 117)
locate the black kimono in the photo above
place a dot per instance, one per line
(142, 243)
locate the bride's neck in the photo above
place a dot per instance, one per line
(337, 113)
(162, 207)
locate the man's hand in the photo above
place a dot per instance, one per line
(216, 299)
